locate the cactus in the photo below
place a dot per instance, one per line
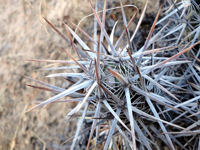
(136, 97)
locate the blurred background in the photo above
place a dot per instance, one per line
(23, 37)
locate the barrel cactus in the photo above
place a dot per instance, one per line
(135, 97)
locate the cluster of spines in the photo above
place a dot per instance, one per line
(126, 83)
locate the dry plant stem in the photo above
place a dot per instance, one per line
(102, 11)
(44, 143)
(13, 142)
